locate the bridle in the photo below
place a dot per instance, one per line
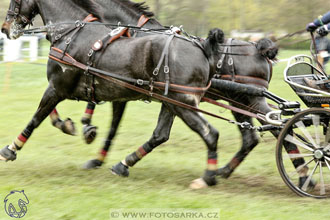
(16, 13)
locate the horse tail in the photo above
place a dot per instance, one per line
(211, 44)
(267, 48)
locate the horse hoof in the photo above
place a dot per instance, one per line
(120, 170)
(310, 186)
(198, 184)
(7, 155)
(89, 133)
(92, 164)
(224, 172)
(68, 127)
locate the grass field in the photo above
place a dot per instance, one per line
(49, 166)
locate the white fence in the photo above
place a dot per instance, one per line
(12, 49)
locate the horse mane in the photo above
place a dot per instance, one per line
(140, 8)
(90, 6)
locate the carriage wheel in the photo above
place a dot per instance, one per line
(304, 164)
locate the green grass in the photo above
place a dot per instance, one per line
(48, 168)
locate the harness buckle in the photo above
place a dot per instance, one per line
(139, 82)
(68, 41)
(166, 69)
(24, 19)
(79, 23)
(57, 37)
(230, 61)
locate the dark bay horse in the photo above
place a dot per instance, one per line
(253, 69)
(132, 58)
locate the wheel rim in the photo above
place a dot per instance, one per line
(303, 153)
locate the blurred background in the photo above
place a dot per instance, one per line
(198, 16)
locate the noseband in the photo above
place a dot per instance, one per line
(16, 13)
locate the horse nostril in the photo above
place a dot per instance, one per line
(5, 29)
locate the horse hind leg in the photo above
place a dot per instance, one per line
(210, 136)
(67, 126)
(249, 141)
(160, 135)
(118, 109)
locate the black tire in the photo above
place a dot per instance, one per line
(307, 140)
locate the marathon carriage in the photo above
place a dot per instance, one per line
(303, 149)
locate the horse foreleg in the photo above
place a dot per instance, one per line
(160, 135)
(66, 126)
(89, 130)
(118, 109)
(47, 104)
(249, 141)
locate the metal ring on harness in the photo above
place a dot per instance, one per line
(166, 69)
(219, 64)
(68, 41)
(79, 23)
(230, 61)
(139, 82)
(90, 53)
(156, 71)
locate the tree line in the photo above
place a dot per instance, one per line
(198, 16)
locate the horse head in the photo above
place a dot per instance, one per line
(19, 15)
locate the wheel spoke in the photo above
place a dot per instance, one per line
(327, 164)
(316, 123)
(322, 188)
(295, 141)
(294, 156)
(327, 158)
(303, 129)
(292, 174)
(306, 184)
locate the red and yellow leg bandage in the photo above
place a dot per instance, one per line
(212, 164)
(55, 118)
(19, 142)
(102, 155)
(140, 153)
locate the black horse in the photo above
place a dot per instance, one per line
(253, 69)
(130, 58)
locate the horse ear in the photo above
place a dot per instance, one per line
(216, 35)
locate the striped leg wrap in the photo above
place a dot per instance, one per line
(133, 158)
(19, 142)
(102, 155)
(55, 118)
(212, 164)
(87, 118)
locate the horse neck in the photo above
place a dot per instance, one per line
(60, 11)
(115, 12)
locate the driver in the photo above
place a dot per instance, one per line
(322, 25)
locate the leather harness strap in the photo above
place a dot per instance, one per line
(165, 55)
(246, 80)
(56, 54)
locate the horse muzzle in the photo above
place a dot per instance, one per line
(5, 29)
(11, 30)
